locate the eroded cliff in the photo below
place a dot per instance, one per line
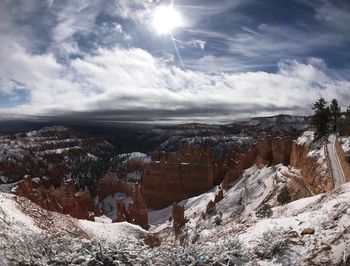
(312, 163)
(343, 161)
(63, 199)
(199, 165)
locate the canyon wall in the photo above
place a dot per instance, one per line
(313, 169)
(266, 151)
(63, 199)
(110, 184)
(342, 160)
(136, 212)
(172, 177)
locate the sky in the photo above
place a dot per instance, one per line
(104, 60)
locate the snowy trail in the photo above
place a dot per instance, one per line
(336, 169)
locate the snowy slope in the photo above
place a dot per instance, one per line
(242, 237)
(33, 236)
(234, 234)
(345, 142)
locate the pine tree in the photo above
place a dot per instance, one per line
(321, 116)
(347, 113)
(335, 113)
(345, 123)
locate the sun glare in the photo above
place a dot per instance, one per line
(166, 19)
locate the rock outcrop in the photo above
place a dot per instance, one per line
(219, 196)
(197, 167)
(111, 184)
(266, 151)
(172, 177)
(122, 213)
(178, 214)
(135, 213)
(313, 168)
(138, 210)
(211, 208)
(343, 161)
(54, 152)
(63, 199)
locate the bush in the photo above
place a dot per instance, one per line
(284, 196)
(152, 241)
(271, 243)
(265, 211)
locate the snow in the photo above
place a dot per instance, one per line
(3, 179)
(157, 217)
(103, 219)
(345, 143)
(110, 202)
(136, 175)
(112, 232)
(15, 218)
(306, 138)
(7, 188)
(320, 155)
(134, 156)
(241, 237)
(250, 191)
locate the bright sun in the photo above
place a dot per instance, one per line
(166, 19)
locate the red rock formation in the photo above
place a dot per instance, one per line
(122, 213)
(211, 208)
(111, 184)
(172, 177)
(49, 152)
(342, 160)
(63, 199)
(138, 210)
(178, 214)
(316, 177)
(266, 151)
(219, 196)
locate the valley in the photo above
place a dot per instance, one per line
(241, 194)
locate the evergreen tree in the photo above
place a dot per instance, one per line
(335, 113)
(321, 116)
(345, 123)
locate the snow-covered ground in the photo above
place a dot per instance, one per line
(308, 231)
(235, 233)
(345, 142)
(306, 138)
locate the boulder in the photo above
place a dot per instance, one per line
(219, 196)
(308, 231)
(211, 208)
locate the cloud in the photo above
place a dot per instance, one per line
(132, 84)
(100, 60)
(198, 43)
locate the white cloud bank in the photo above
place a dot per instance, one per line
(132, 79)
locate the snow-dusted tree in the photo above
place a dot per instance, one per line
(335, 113)
(264, 211)
(321, 117)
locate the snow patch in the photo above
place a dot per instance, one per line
(306, 138)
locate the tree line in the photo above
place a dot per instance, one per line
(329, 117)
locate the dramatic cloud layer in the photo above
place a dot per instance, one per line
(102, 60)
